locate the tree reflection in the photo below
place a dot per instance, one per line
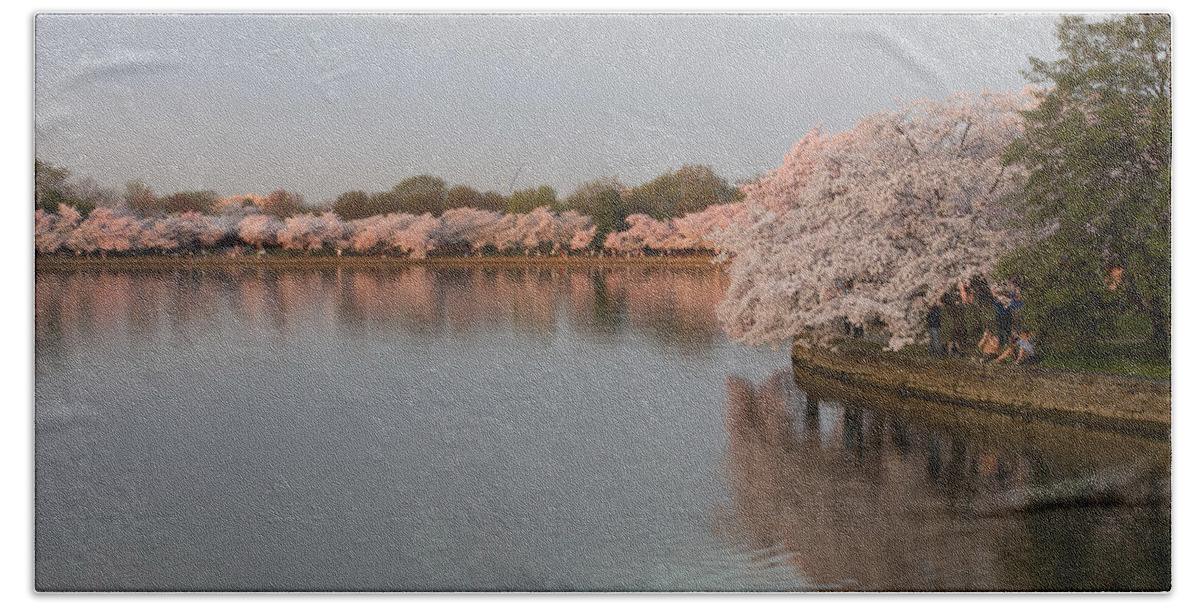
(673, 306)
(870, 497)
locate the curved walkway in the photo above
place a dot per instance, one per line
(1126, 404)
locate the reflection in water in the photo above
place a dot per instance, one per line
(862, 493)
(675, 306)
(528, 428)
(410, 428)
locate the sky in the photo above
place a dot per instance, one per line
(322, 104)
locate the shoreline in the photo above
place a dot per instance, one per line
(165, 262)
(1126, 404)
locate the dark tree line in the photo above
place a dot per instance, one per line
(1098, 151)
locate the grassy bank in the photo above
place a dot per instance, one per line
(1121, 358)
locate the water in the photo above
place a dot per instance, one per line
(531, 428)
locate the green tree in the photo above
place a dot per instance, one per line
(689, 189)
(353, 205)
(203, 201)
(49, 185)
(463, 196)
(1098, 151)
(524, 201)
(281, 203)
(51, 189)
(140, 198)
(420, 194)
(600, 199)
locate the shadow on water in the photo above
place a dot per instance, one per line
(863, 490)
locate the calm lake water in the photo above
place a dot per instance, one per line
(418, 428)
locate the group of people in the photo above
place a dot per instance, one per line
(994, 347)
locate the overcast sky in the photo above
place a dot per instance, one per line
(325, 104)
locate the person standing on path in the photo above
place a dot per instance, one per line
(933, 322)
(1004, 314)
(958, 319)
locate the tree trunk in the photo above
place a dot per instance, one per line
(1160, 335)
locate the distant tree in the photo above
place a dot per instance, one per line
(281, 203)
(493, 201)
(49, 185)
(140, 198)
(1098, 151)
(675, 193)
(354, 205)
(525, 201)
(202, 201)
(239, 206)
(259, 229)
(310, 232)
(600, 199)
(52, 187)
(53, 230)
(107, 229)
(421, 194)
(463, 196)
(579, 231)
(87, 190)
(644, 232)
(466, 225)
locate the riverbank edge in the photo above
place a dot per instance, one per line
(1125, 404)
(163, 262)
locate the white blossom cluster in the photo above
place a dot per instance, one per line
(115, 229)
(110, 229)
(694, 231)
(873, 223)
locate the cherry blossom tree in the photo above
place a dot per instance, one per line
(210, 230)
(259, 229)
(417, 239)
(644, 232)
(537, 227)
(401, 232)
(874, 223)
(106, 229)
(466, 225)
(163, 234)
(697, 231)
(51, 230)
(374, 232)
(577, 228)
(241, 205)
(310, 232)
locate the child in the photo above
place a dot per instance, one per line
(1025, 354)
(990, 345)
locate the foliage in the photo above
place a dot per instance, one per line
(203, 201)
(280, 204)
(690, 189)
(421, 194)
(1098, 151)
(601, 200)
(53, 187)
(378, 222)
(354, 205)
(525, 201)
(140, 198)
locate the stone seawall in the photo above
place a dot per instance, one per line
(1132, 405)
